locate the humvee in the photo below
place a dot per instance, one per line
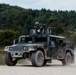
(40, 48)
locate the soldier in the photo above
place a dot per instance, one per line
(39, 29)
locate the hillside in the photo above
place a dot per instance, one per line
(18, 21)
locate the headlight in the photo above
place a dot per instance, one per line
(6, 48)
(10, 48)
(24, 48)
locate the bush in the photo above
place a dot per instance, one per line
(7, 36)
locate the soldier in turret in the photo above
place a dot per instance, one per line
(39, 29)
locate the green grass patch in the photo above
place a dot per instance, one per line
(2, 55)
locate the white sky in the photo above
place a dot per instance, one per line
(48, 4)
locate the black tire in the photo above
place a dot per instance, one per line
(37, 58)
(9, 61)
(68, 59)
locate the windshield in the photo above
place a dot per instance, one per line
(33, 40)
(25, 40)
(40, 39)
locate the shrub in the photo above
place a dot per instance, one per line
(7, 36)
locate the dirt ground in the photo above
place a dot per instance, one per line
(55, 68)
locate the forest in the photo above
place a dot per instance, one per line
(16, 21)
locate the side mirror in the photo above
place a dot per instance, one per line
(15, 41)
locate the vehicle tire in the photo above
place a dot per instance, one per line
(37, 58)
(68, 59)
(9, 61)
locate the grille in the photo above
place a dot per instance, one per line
(15, 49)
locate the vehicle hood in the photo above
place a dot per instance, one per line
(20, 47)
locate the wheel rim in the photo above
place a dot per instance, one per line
(68, 58)
(40, 58)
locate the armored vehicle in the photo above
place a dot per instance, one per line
(40, 47)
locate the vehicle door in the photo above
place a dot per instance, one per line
(61, 48)
(53, 46)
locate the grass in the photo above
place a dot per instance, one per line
(2, 55)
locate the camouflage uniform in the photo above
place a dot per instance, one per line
(38, 28)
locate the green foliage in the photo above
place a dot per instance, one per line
(14, 18)
(7, 36)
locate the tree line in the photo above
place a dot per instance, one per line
(16, 21)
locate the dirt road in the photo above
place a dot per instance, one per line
(55, 68)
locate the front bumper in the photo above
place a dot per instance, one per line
(20, 54)
(17, 54)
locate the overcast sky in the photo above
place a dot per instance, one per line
(48, 4)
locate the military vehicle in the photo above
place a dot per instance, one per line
(40, 47)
